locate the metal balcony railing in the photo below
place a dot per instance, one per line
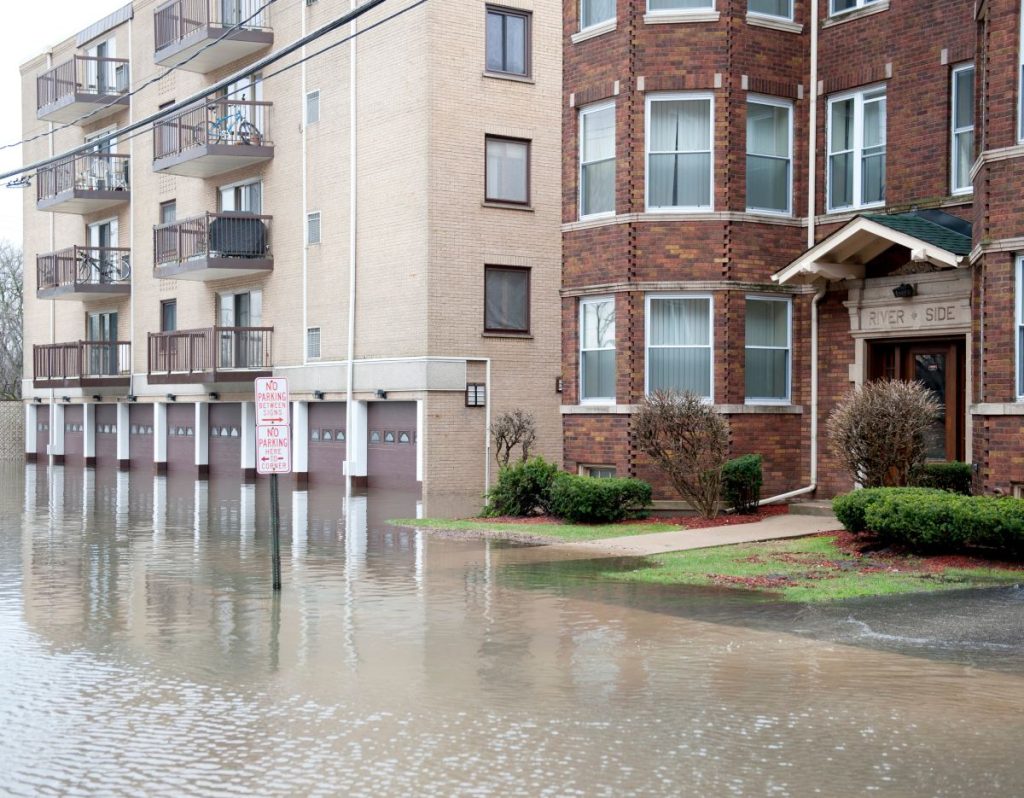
(81, 362)
(102, 77)
(87, 171)
(92, 266)
(178, 19)
(194, 355)
(212, 235)
(221, 121)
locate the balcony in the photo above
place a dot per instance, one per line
(233, 29)
(214, 354)
(213, 246)
(218, 137)
(84, 273)
(82, 364)
(84, 183)
(84, 85)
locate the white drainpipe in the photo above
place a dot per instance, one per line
(352, 195)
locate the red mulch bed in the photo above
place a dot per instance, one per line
(689, 521)
(866, 546)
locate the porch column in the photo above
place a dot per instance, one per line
(57, 432)
(160, 437)
(355, 463)
(248, 440)
(89, 434)
(31, 419)
(300, 441)
(202, 430)
(123, 439)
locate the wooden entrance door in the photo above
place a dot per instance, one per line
(939, 366)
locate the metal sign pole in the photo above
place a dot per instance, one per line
(275, 531)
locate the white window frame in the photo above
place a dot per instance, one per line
(858, 96)
(761, 99)
(954, 131)
(681, 12)
(764, 15)
(860, 4)
(1019, 323)
(590, 109)
(610, 21)
(711, 337)
(319, 228)
(668, 97)
(772, 400)
(596, 300)
(309, 96)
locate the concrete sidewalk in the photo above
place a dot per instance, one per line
(775, 527)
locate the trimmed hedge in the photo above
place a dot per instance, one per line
(927, 519)
(741, 483)
(956, 477)
(522, 489)
(594, 500)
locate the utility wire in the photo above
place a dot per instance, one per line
(155, 79)
(224, 83)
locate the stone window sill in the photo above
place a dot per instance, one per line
(521, 335)
(507, 76)
(860, 13)
(671, 17)
(774, 23)
(593, 31)
(508, 206)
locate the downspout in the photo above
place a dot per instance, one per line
(305, 200)
(131, 237)
(352, 197)
(487, 427)
(53, 302)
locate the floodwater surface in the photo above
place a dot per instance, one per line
(143, 653)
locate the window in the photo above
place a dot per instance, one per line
(508, 41)
(313, 227)
(594, 12)
(962, 121)
(769, 155)
(313, 343)
(597, 160)
(506, 299)
(679, 344)
(598, 471)
(771, 8)
(313, 107)
(507, 170)
(767, 349)
(242, 197)
(672, 6)
(168, 211)
(597, 350)
(679, 156)
(841, 6)
(856, 150)
(169, 315)
(1020, 328)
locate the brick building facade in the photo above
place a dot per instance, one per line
(772, 201)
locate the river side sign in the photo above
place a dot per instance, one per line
(271, 401)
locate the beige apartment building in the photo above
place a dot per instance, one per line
(167, 269)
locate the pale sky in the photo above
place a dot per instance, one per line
(28, 29)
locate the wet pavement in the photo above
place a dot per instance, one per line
(142, 653)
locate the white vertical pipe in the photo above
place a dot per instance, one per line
(305, 199)
(352, 250)
(812, 125)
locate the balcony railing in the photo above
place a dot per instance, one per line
(82, 79)
(179, 19)
(101, 175)
(210, 355)
(84, 364)
(84, 269)
(213, 246)
(219, 136)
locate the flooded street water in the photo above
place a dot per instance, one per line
(142, 653)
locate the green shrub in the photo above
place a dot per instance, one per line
(955, 477)
(850, 508)
(593, 500)
(741, 483)
(522, 489)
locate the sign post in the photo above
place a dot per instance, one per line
(273, 452)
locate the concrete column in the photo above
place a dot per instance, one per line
(31, 419)
(300, 524)
(249, 440)
(123, 438)
(421, 434)
(57, 432)
(88, 492)
(160, 437)
(159, 506)
(202, 430)
(89, 434)
(356, 444)
(300, 441)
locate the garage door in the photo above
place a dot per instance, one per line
(140, 438)
(327, 442)
(226, 438)
(42, 431)
(391, 444)
(74, 435)
(181, 437)
(106, 435)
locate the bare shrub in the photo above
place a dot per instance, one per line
(689, 441)
(878, 431)
(511, 430)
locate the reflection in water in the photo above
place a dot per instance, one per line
(142, 645)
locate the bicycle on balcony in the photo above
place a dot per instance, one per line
(102, 269)
(234, 127)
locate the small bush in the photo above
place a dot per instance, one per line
(851, 508)
(593, 500)
(955, 477)
(522, 489)
(741, 483)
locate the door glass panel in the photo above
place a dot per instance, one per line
(930, 370)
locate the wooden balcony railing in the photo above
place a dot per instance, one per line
(221, 121)
(87, 171)
(85, 266)
(220, 235)
(178, 19)
(81, 363)
(103, 77)
(209, 353)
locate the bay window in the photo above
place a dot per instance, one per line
(769, 155)
(597, 350)
(594, 12)
(675, 6)
(768, 346)
(679, 152)
(597, 160)
(856, 149)
(771, 8)
(679, 340)
(962, 123)
(842, 6)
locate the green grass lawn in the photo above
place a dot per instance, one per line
(808, 569)
(554, 531)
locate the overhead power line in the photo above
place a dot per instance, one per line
(219, 85)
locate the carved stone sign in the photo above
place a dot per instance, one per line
(915, 316)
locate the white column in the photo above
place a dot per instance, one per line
(89, 433)
(356, 440)
(421, 433)
(159, 505)
(31, 419)
(123, 439)
(57, 430)
(249, 438)
(300, 437)
(202, 430)
(300, 524)
(160, 436)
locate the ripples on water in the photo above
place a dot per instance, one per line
(141, 653)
